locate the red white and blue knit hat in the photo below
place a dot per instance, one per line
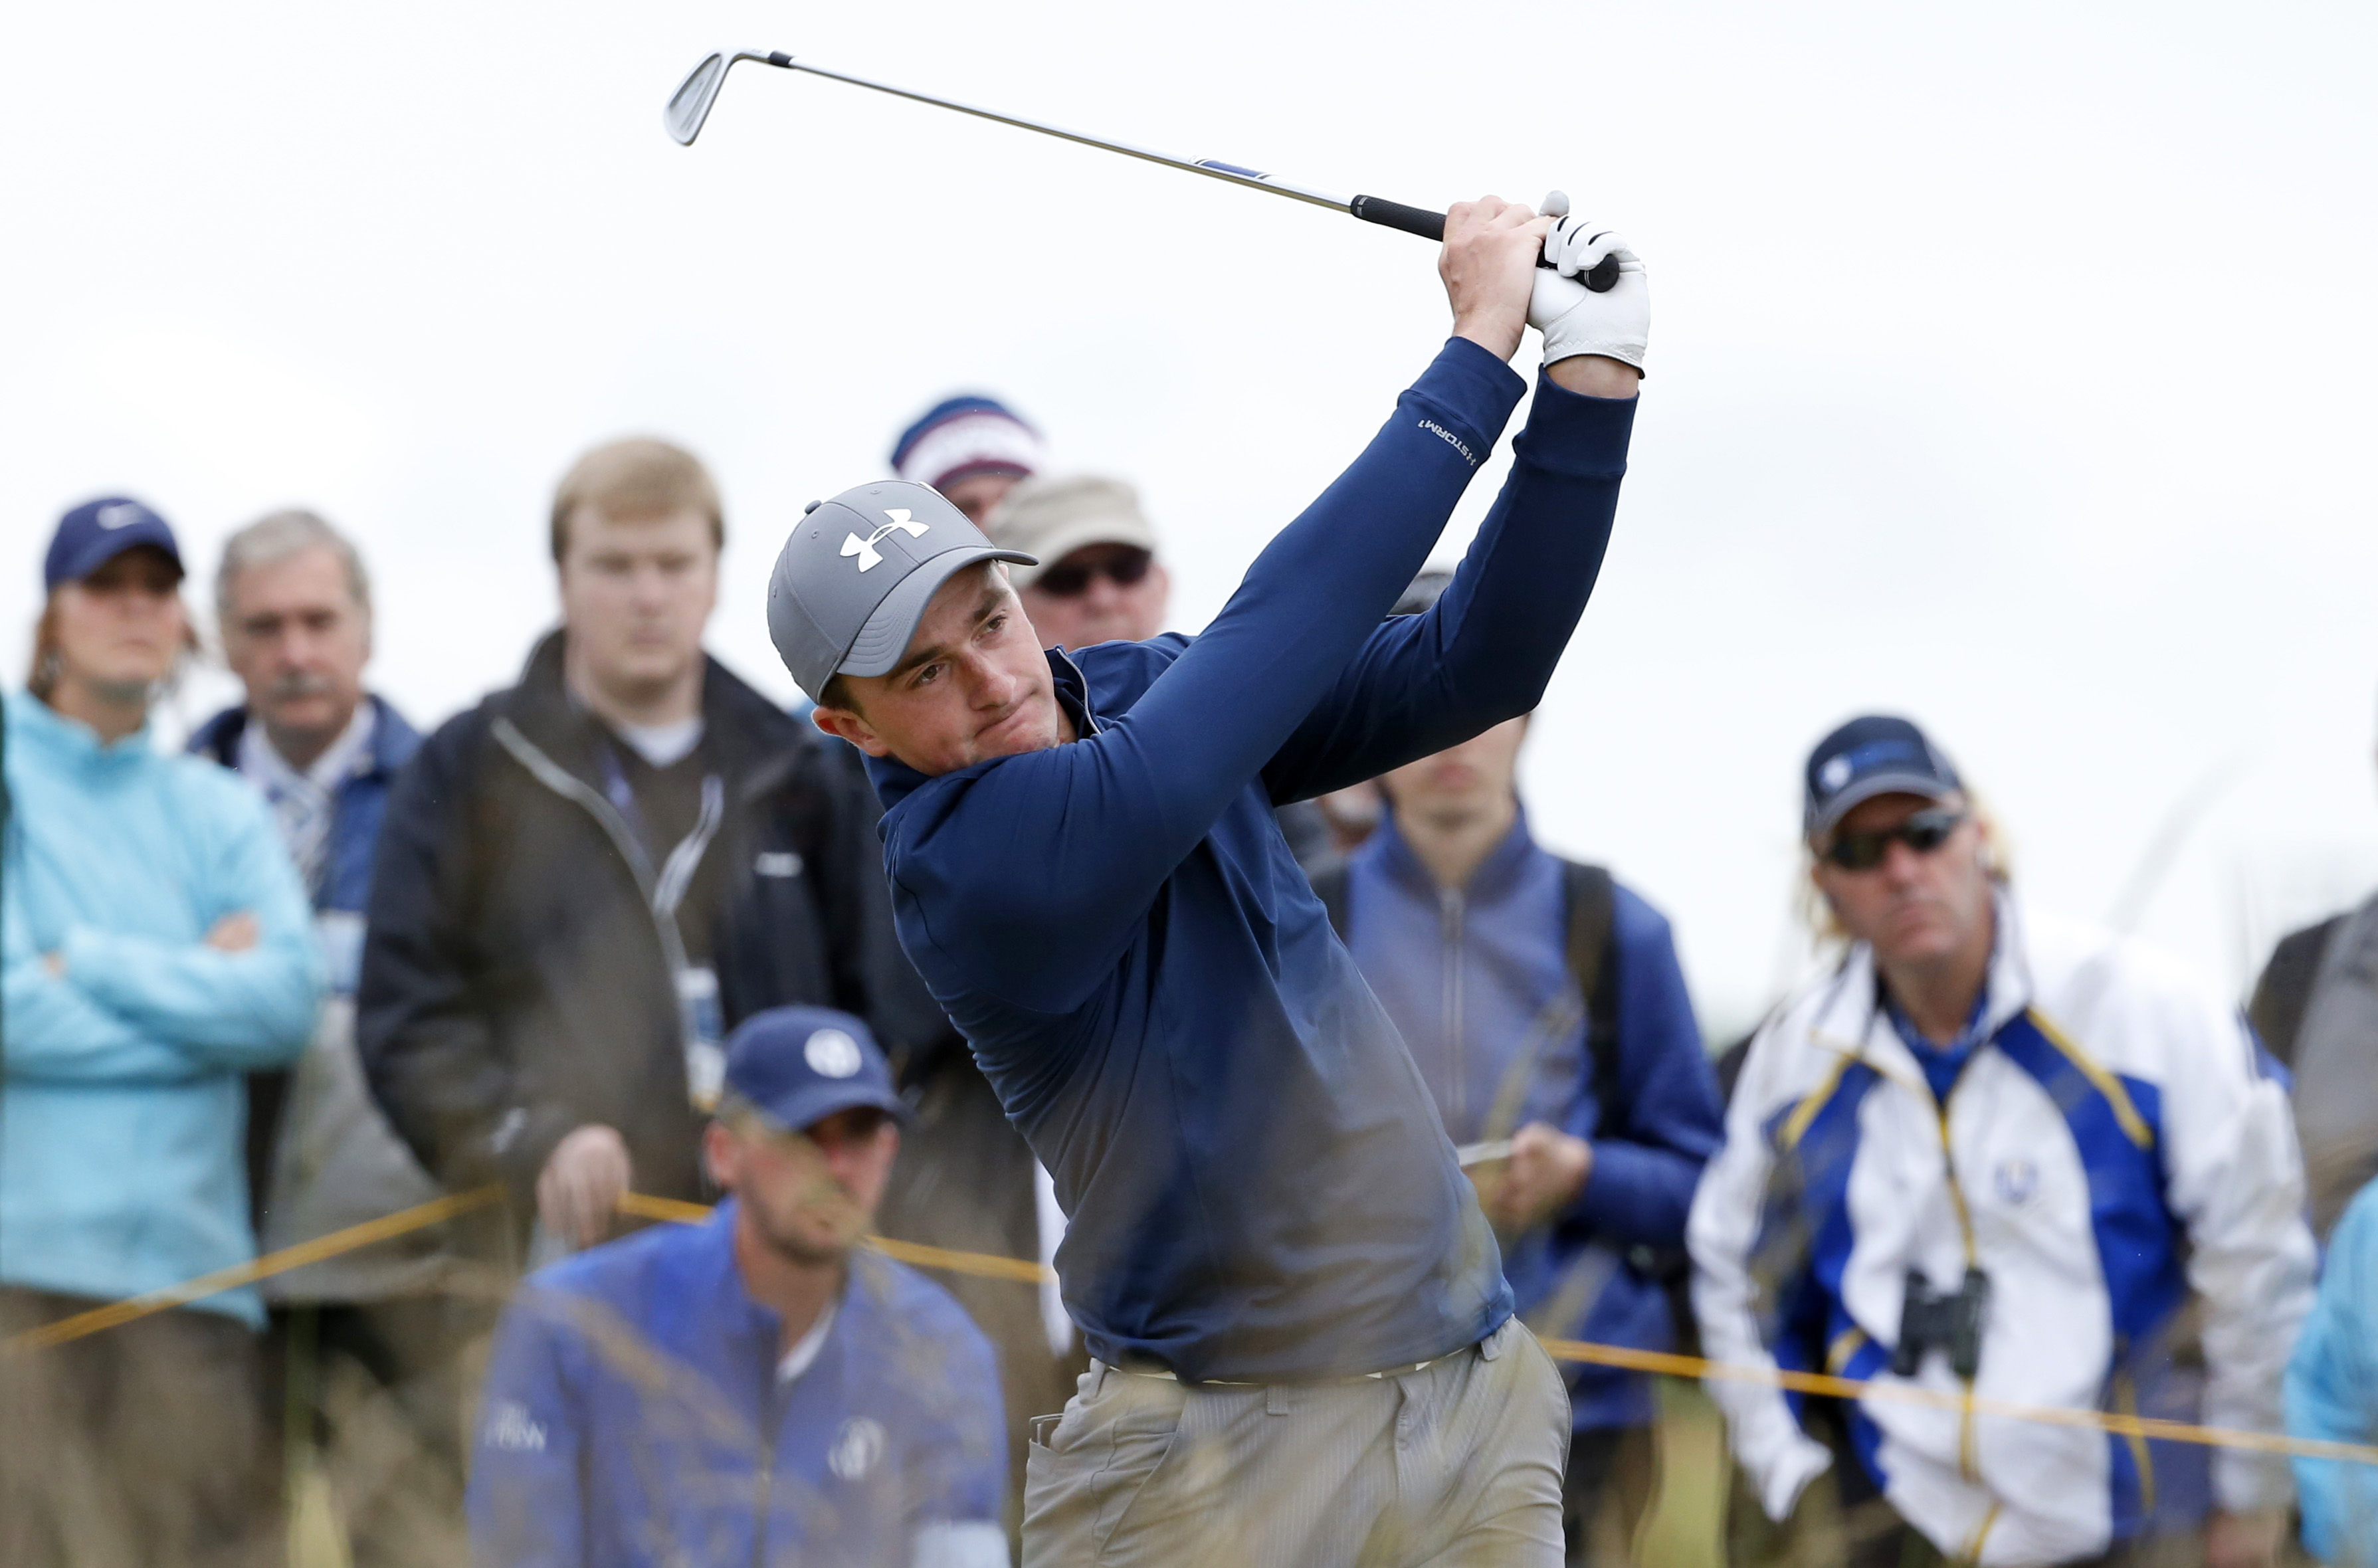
(960, 438)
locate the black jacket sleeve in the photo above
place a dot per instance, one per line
(429, 1052)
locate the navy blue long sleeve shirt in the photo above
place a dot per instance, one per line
(1257, 1182)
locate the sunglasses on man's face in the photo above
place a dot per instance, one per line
(1924, 832)
(1069, 579)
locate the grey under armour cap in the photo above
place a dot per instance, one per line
(855, 578)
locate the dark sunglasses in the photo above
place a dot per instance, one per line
(1923, 833)
(1068, 578)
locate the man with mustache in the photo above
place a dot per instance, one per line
(1991, 1155)
(293, 604)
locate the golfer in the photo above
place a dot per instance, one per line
(1303, 1344)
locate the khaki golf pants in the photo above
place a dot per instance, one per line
(1457, 1464)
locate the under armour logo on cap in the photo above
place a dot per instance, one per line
(832, 1054)
(852, 545)
(828, 617)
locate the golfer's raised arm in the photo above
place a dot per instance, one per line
(1484, 651)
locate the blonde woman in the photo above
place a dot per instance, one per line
(158, 946)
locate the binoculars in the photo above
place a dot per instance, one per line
(1947, 1320)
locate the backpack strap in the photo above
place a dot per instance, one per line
(1331, 885)
(1592, 912)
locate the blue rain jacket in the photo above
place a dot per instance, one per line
(1255, 1178)
(633, 1418)
(121, 1157)
(1477, 980)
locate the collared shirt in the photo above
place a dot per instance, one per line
(1941, 1064)
(304, 800)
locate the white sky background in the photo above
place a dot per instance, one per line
(2010, 367)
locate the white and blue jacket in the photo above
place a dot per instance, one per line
(2110, 1146)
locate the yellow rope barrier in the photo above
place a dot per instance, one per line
(980, 1264)
(116, 1313)
(984, 1265)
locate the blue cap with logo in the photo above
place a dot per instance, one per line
(97, 532)
(1877, 754)
(800, 1065)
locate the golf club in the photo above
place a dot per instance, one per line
(688, 106)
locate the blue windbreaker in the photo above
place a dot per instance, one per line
(633, 1418)
(2332, 1393)
(1478, 982)
(121, 1157)
(1255, 1178)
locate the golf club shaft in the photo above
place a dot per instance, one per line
(1370, 208)
(1211, 170)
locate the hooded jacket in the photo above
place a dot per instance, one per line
(520, 974)
(123, 1099)
(1256, 1179)
(2111, 1146)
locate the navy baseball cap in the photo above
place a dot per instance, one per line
(855, 578)
(1874, 754)
(800, 1065)
(97, 532)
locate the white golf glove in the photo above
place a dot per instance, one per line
(1573, 319)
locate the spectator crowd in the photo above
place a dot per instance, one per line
(616, 944)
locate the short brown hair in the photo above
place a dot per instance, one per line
(637, 477)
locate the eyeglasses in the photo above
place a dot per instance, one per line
(1069, 579)
(1923, 833)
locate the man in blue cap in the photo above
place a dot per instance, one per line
(1990, 1156)
(757, 1388)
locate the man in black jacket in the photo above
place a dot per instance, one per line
(587, 880)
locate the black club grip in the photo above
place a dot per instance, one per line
(1429, 225)
(1396, 215)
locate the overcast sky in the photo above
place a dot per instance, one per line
(2011, 365)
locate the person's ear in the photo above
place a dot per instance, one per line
(718, 1154)
(845, 723)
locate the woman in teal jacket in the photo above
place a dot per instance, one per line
(2333, 1393)
(157, 946)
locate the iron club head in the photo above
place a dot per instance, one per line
(688, 106)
